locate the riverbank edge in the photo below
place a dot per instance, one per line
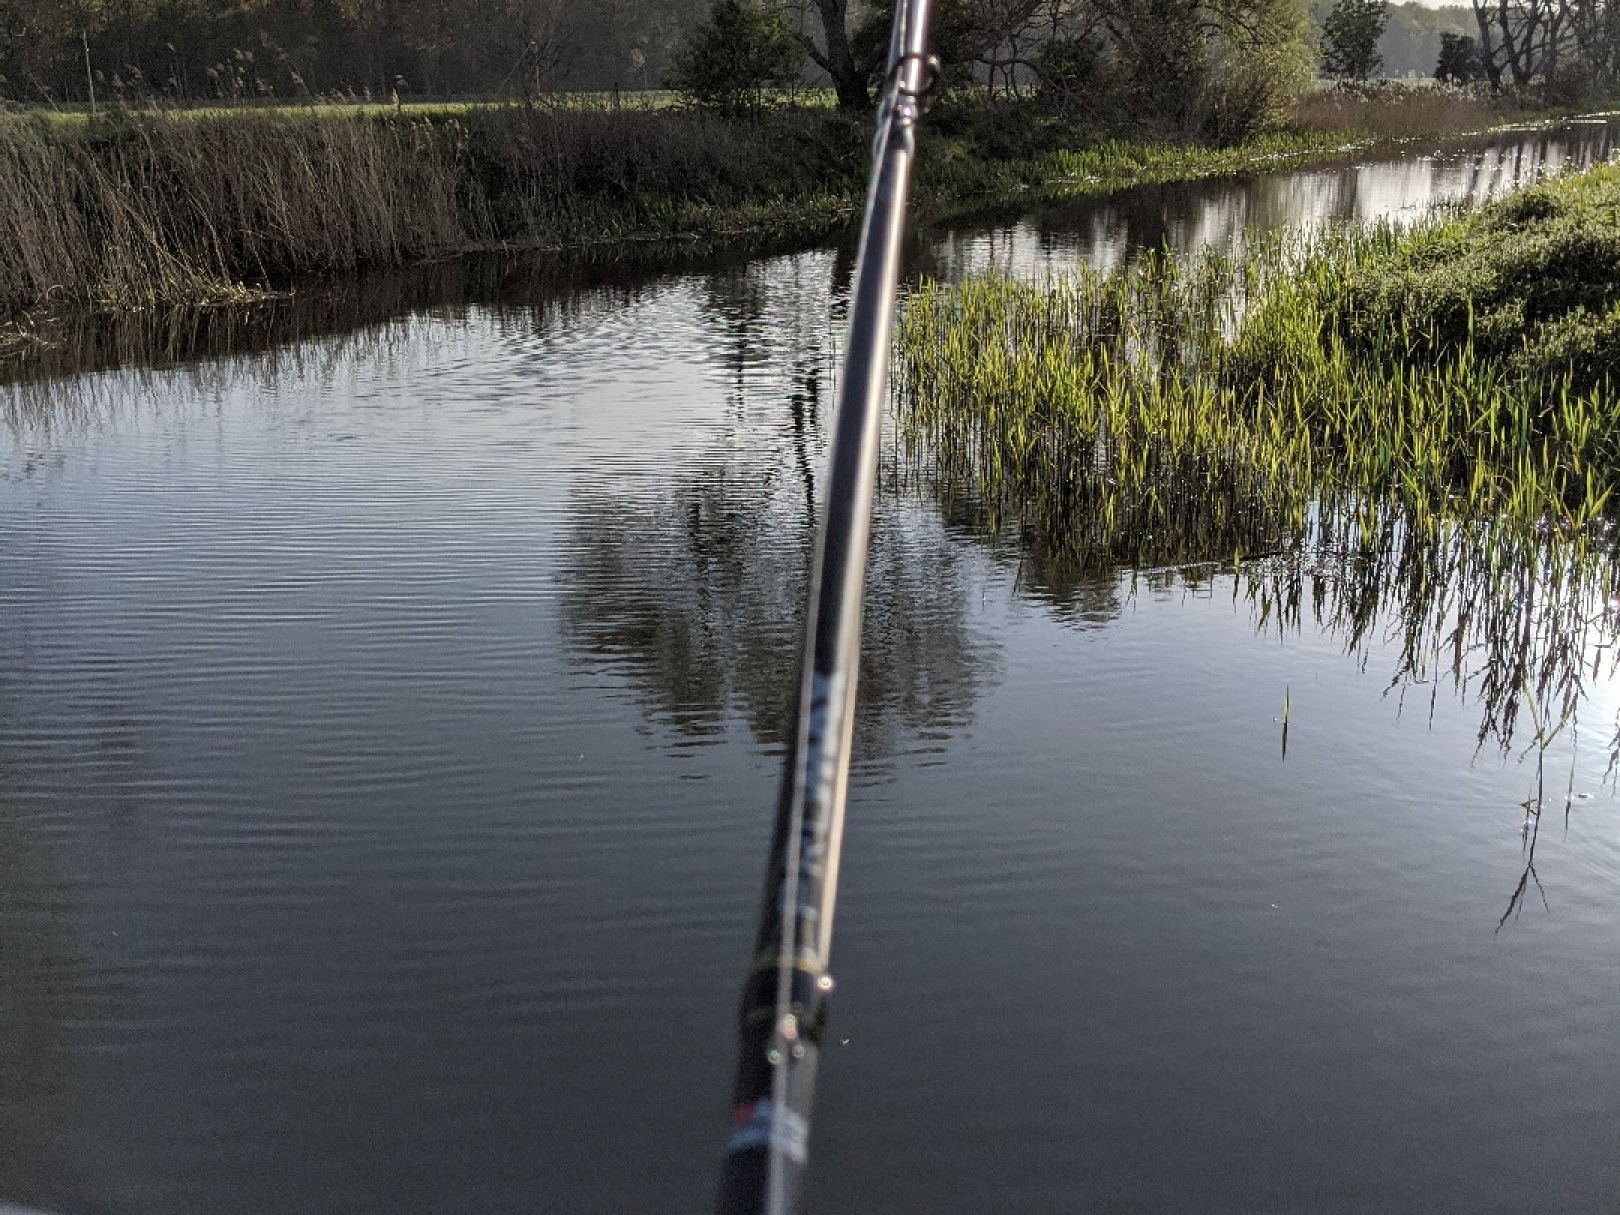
(488, 201)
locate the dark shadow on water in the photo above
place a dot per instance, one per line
(72, 343)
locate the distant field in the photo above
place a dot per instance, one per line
(649, 99)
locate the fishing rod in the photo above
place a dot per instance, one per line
(784, 999)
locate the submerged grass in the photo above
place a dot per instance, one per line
(1421, 424)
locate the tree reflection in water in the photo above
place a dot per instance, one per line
(694, 591)
(1519, 623)
(695, 597)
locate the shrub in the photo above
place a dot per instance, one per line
(1459, 61)
(737, 58)
(1073, 71)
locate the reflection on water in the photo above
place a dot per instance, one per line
(1519, 628)
(693, 587)
(277, 335)
(44, 991)
(388, 731)
(1219, 214)
(697, 601)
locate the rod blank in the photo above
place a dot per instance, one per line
(784, 998)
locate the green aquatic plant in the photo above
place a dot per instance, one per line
(1274, 412)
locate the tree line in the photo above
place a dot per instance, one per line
(1205, 65)
(1215, 68)
(1562, 51)
(1571, 47)
(60, 51)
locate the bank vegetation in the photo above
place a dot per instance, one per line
(139, 208)
(1428, 417)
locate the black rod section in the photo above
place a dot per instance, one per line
(784, 998)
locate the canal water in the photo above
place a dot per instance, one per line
(391, 696)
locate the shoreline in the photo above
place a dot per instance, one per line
(698, 232)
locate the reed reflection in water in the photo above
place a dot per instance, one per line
(1518, 628)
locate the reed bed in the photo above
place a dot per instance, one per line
(140, 209)
(1320, 417)
(1390, 109)
(133, 210)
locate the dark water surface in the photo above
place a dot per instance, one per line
(390, 708)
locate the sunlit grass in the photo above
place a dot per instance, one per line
(337, 106)
(1316, 416)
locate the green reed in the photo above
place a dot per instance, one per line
(1260, 412)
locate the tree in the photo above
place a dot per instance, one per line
(731, 61)
(843, 52)
(1073, 70)
(1522, 41)
(970, 38)
(1459, 59)
(1596, 26)
(1217, 68)
(1213, 68)
(1350, 38)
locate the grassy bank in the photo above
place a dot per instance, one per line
(1426, 420)
(132, 210)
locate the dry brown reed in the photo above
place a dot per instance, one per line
(132, 210)
(1387, 110)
